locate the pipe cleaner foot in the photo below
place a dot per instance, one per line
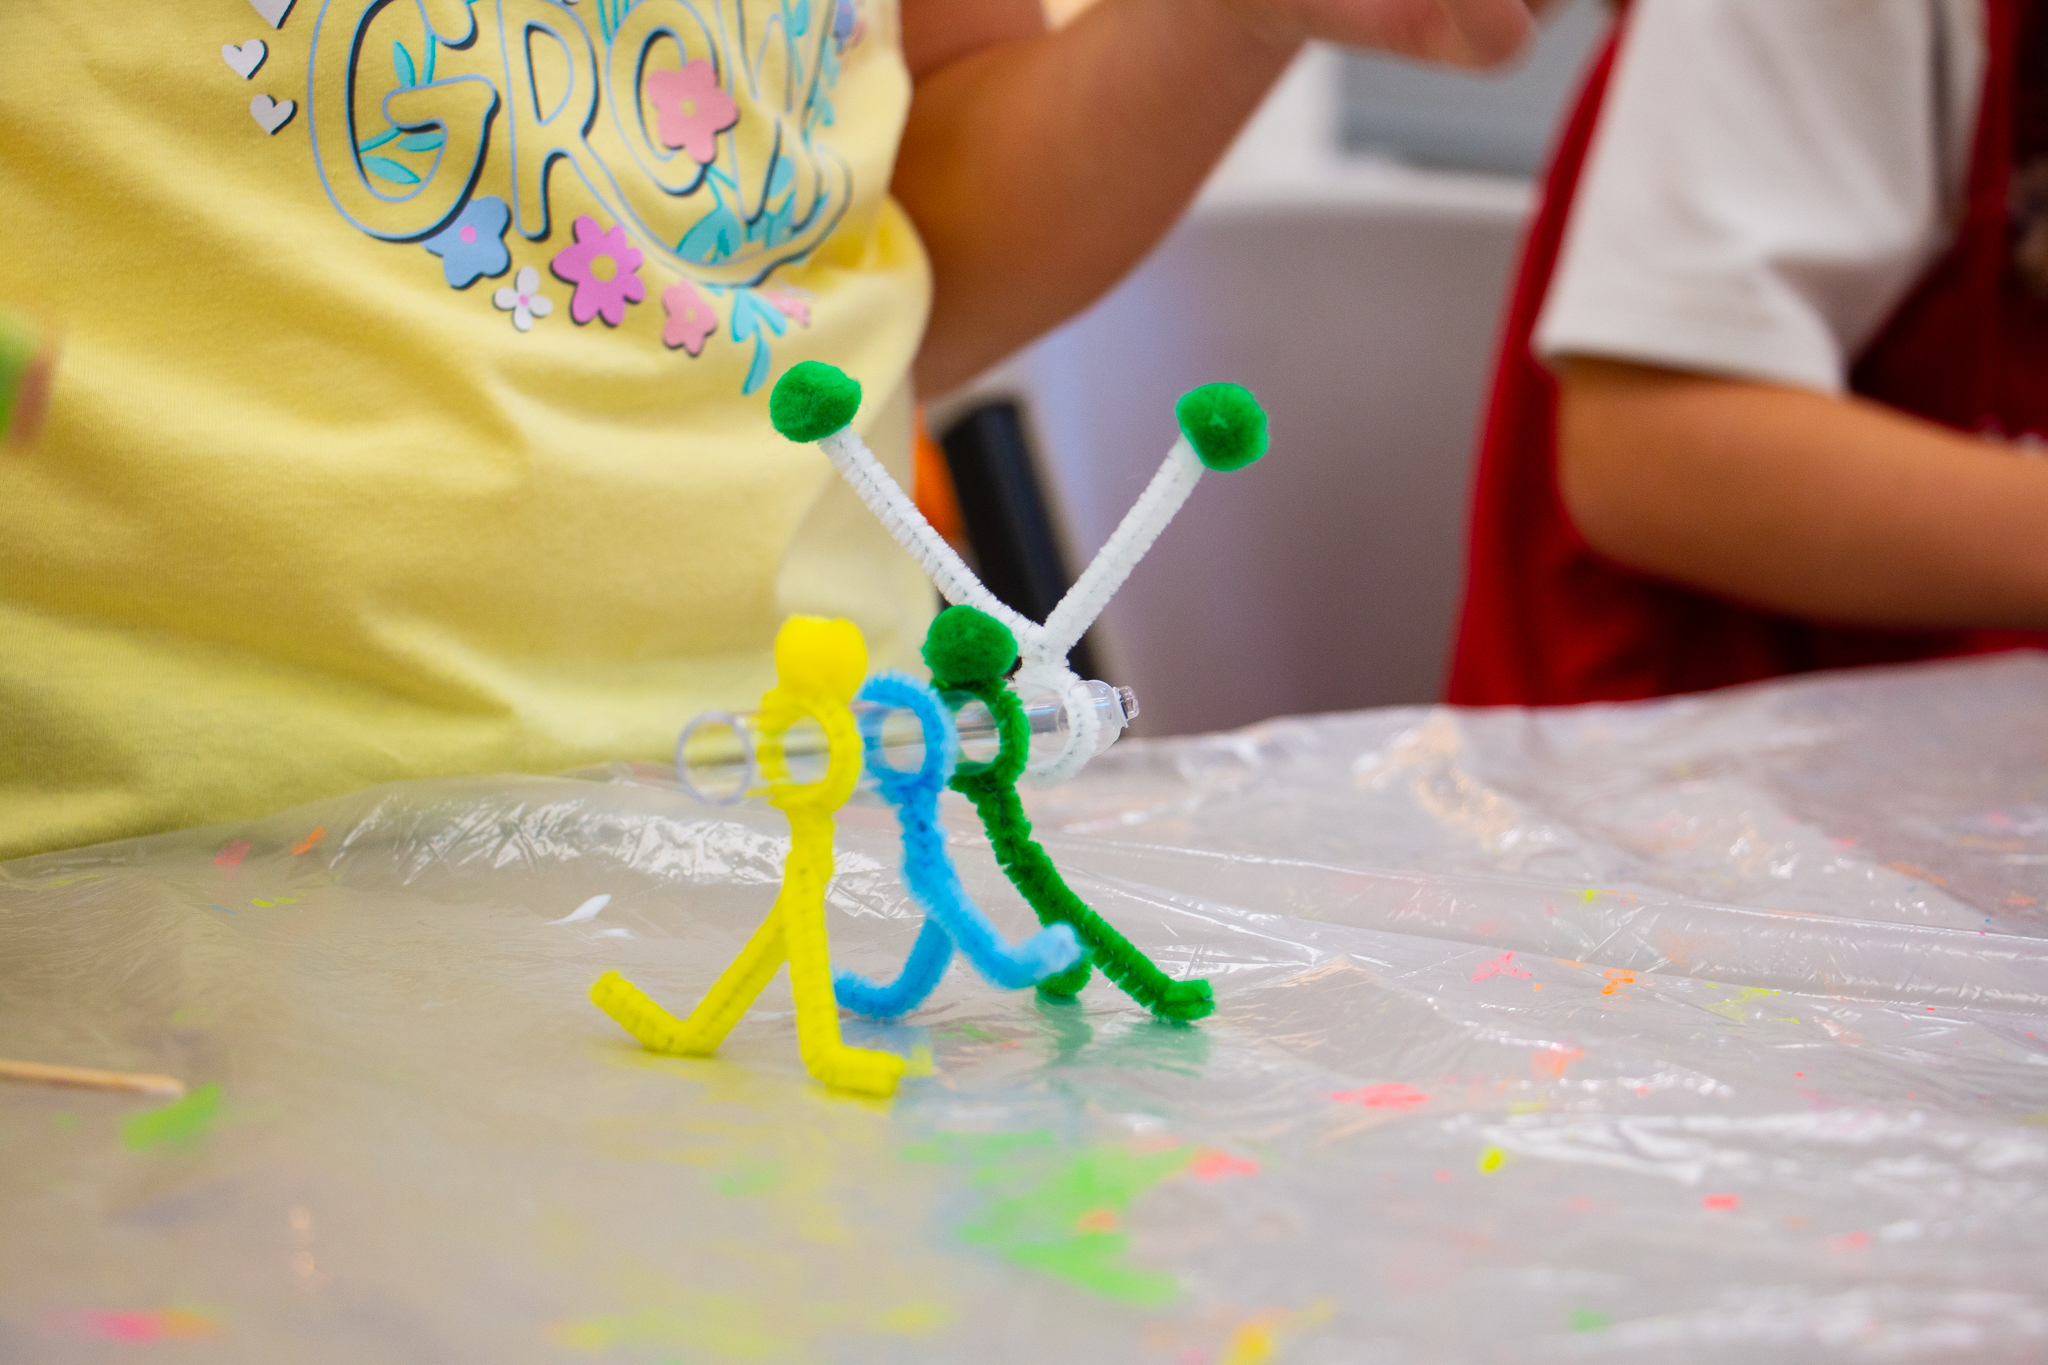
(1067, 984)
(1183, 1002)
(854, 1070)
(654, 1027)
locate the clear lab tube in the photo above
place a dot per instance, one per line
(717, 757)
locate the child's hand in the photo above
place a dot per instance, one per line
(1460, 32)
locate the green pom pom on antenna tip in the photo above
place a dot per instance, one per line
(1224, 423)
(966, 645)
(812, 401)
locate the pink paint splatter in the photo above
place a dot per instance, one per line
(1849, 1241)
(1392, 1095)
(1551, 1061)
(1211, 1164)
(232, 855)
(1504, 965)
(172, 1325)
(1720, 1203)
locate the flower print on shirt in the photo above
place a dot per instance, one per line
(690, 111)
(523, 300)
(847, 25)
(690, 319)
(473, 243)
(796, 309)
(604, 267)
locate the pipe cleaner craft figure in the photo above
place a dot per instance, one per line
(951, 919)
(818, 665)
(973, 644)
(1222, 428)
(968, 652)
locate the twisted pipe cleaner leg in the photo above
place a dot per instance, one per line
(951, 917)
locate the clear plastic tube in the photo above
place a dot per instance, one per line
(716, 763)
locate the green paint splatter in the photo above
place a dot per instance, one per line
(176, 1125)
(733, 1327)
(1731, 1008)
(1064, 1225)
(753, 1180)
(973, 1031)
(1590, 1320)
(64, 1121)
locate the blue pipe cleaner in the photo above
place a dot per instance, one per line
(951, 919)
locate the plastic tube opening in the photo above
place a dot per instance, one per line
(718, 753)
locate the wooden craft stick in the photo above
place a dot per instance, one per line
(36, 1073)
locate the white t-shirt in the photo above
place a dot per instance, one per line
(1768, 181)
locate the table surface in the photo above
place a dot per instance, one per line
(1705, 1028)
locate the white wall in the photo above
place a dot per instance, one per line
(1359, 300)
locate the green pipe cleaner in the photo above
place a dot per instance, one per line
(969, 652)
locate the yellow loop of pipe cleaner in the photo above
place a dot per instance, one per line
(819, 665)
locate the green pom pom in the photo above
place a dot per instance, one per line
(965, 645)
(1224, 423)
(812, 401)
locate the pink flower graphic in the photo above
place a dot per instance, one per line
(789, 305)
(690, 319)
(690, 111)
(605, 270)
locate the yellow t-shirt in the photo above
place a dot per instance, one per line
(411, 416)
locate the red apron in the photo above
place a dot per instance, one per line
(1547, 620)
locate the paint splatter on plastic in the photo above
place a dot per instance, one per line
(1392, 1095)
(1504, 965)
(176, 1125)
(172, 1324)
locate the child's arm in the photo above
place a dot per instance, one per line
(1819, 506)
(1040, 166)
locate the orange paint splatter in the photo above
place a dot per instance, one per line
(232, 855)
(1211, 1164)
(1918, 873)
(1551, 1061)
(1616, 977)
(1098, 1220)
(1720, 1203)
(1392, 1095)
(310, 842)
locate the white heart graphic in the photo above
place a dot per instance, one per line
(244, 60)
(269, 114)
(273, 11)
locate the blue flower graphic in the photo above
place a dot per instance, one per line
(473, 243)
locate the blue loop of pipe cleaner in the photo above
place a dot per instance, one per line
(952, 920)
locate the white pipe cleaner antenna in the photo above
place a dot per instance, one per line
(1222, 428)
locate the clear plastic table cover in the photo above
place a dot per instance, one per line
(1710, 1029)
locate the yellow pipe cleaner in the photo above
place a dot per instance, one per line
(819, 665)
